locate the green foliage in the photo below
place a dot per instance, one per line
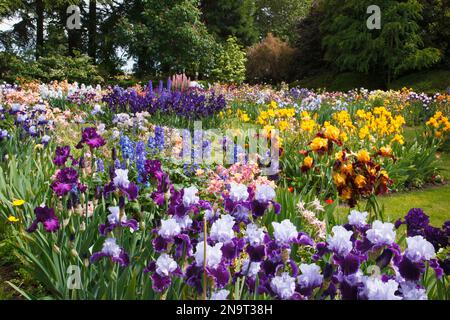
(48, 68)
(425, 81)
(308, 43)
(225, 18)
(270, 61)
(280, 17)
(168, 37)
(230, 63)
(344, 81)
(396, 48)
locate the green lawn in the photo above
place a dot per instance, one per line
(434, 201)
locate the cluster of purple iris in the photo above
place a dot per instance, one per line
(191, 104)
(33, 121)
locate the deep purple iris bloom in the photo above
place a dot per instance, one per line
(66, 181)
(62, 154)
(91, 138)
(47, 217)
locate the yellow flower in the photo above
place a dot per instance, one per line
(18, 202)
(13, 219)
(308, 125)
(339, 155)
(319, 143)
(386, 151)
(332, 133)
(339, 179)
(308, 162)
(363, 156)
(283, 125)
(273, 105)
(360, 181)
(347, 168)
(398, 138)
(346, 193)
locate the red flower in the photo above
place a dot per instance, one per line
(291, 189)
(329, 201)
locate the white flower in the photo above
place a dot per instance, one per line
(114, 216)
(213, 254)
(251, 271)
(301, 206)
(310, 276)
(254, 234)
(222, 229)
(189, 196)
(165, 265)
(411, 291)
(357, 219)
(316, 204)
(97, 109)
(169, 228)
(111, 248)
(340, 241)
(238, 192)
(121, 178)
(211, 214)
(284, 231)
(184, 222)
(381, 233)
(283, 286)
(419, 249)
(101, 128)
(376, 289)
(45, 139)
(264, 193)
(220, 295)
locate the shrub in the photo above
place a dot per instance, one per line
(49, 68)
(230, 63)
(270, 61)
(426, 81)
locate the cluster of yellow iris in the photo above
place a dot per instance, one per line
(280, 118)
(378, 124)
(439, 123)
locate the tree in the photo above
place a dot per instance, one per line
(270, 61)
(308, 43)
(39, 27)
(92, 29)
(280, 17)
(225, 18)
(168, 37)
(230, 63)
(435, 26)
(394, 49)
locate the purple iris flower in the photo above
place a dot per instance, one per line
(114, 221)
(47, 217)
(161, 271)
(62, 154)
(66, 181)
(112, 250)
(91, 138)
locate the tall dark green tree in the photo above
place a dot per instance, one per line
(225, 18)
(280, 17)
(167, 37)
(308, 43)
(394, 49)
